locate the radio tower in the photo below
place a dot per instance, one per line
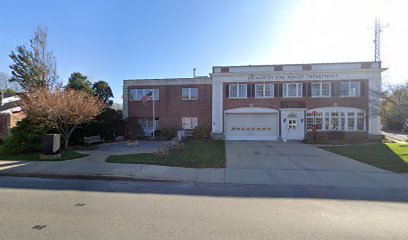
(377, 37)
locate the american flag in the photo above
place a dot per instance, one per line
(146, 98)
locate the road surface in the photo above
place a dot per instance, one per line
(32, 208)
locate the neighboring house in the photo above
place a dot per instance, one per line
(264, 102)
(10, 113)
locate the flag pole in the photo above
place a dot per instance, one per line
(154, 118)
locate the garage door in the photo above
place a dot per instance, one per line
(251, 126)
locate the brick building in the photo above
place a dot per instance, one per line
(265, 102)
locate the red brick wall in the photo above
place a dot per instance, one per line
(9, 120)
(170, 108)
(310, 102)
(4, 119)
(16, 117)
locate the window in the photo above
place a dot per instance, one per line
(292, 124)
(350, 89)
(337, 119)
(342, 121)
(326, 121)
(309, 121)
(238, 91)
(350, 125)
(292, 90)
(263, 90)
(360, 121)
(321, 89)
(334, 121)
(189, 93)
(146, 122)
(189, 122)
(137, 94)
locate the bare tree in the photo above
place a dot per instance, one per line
(62, 109)
(6, 85)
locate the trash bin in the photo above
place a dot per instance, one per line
(51, 144)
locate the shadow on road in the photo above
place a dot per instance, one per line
(211, 190)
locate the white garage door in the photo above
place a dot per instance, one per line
(251, 126)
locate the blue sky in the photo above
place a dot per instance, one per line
(117, 40)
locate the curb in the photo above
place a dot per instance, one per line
(85, 177)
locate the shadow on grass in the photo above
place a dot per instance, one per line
(391, 156)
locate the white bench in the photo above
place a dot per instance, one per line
(93, 139)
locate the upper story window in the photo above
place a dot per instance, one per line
(292, 90)
(137, 94)
(321, 89)
(264, 90)
(189, 122)
(189, 93)
(350, 89)
(237, 91)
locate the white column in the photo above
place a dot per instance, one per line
(217, 106)
(374, 121)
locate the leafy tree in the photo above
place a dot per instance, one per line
(103, 91)
(77, 81)
(133, 129)
(395, 106)
(109, 124)
(62, 109)
(34, 66)
(26, 136)
(9, 91)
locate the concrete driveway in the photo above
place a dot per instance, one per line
(294, 163)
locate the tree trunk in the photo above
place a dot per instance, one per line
(66, 138)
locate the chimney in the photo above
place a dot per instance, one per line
(194, 70)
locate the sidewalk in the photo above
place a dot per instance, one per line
(396, 136)
(102, 170)
(94, 166)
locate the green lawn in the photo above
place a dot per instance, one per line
(36, 156)
(389, 156)
(195, 154)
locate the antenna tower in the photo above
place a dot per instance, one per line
(377, 39)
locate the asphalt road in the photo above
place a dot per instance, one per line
(33, 208)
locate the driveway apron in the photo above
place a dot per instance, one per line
(294, 163)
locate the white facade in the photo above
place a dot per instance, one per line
(292, 121)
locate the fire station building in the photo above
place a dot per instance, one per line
(263, 102)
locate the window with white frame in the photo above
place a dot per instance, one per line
(146, 122)
(310, 118)
(137, 94)
(321, 89)
(189, 93)
(292, 90)
(237, 91)
(264, 90)
(350, 89)
(337, 119)
(189, 122)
